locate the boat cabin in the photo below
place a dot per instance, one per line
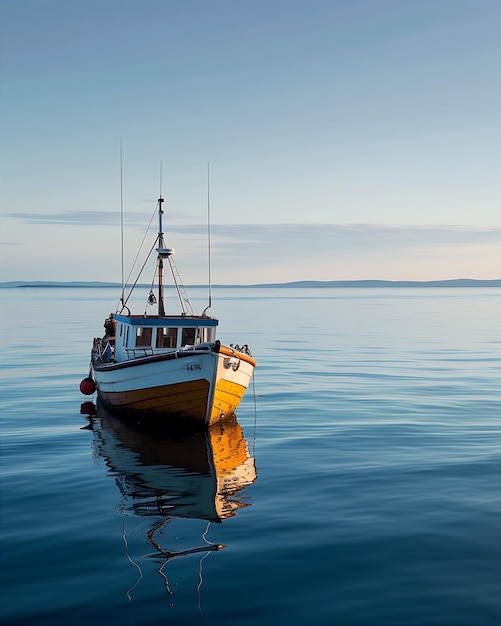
(139, 335)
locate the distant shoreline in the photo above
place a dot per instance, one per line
(301, 284)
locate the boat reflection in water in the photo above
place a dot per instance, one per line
(173, 476)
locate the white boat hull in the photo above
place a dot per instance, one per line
(204, 385)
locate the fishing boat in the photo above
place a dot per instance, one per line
(168, 367)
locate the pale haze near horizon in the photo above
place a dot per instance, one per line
(346, 139)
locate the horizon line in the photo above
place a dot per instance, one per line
(452, 282)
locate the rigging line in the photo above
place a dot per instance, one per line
(124, 302)
(124, 537)
(200, 574)
(208, 233)
(160, 570)
(163, 553)
(255, 414)
(122, 219)
(151, 292)
(200, 583)
(208, 241)
(142, 242)
(204, 534)
(139, 275)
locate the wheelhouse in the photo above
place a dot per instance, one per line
(142, 335)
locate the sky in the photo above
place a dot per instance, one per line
(313, 139)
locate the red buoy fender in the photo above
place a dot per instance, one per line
(88, 386)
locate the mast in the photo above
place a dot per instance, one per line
(163, 253)
(166, 253)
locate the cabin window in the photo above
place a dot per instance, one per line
(188, 336)
(166, 337)
(207, 334)
(143, 337)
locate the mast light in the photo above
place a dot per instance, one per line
(164, 253)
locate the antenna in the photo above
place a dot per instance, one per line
(208, 240)
(122, 221)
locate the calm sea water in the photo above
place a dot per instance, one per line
(373, 426)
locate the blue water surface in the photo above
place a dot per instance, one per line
(374, 428)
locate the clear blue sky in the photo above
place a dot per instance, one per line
(347, 139)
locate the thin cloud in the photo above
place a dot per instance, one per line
(328, 241)
(298, 237)
(73, 218)
(289, 240)
(85, 218)
(263, 233)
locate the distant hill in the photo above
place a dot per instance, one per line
(458, 282)
(302, 284)
(41, 283)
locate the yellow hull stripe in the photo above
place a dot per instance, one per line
(227, 397)
(188, 398)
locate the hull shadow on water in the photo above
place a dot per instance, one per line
(182, 474)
